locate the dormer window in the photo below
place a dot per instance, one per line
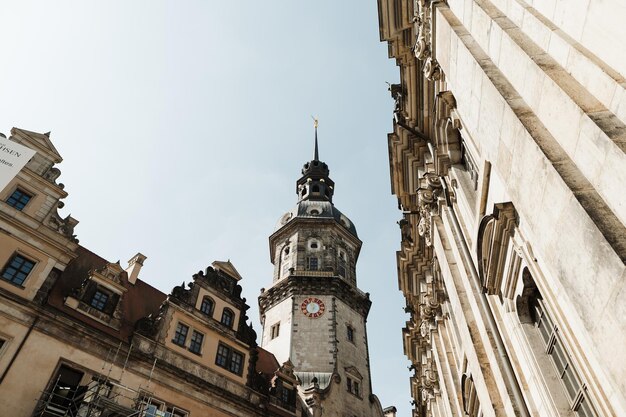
(207, 306)
(227, 317)
(99, 300)
(19, 199)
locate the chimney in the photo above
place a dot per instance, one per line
(134, 266)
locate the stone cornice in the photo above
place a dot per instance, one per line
(301, 285)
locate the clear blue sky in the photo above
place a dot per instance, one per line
(184, 126)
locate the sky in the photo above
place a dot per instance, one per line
(184, 125)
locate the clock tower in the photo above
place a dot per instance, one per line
(314, 314)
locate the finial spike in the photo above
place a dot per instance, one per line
(315, 123)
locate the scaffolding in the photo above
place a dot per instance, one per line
(99, 397)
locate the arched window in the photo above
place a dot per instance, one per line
(207, 306)
(471, 405)
(494, 235)
(227, 317)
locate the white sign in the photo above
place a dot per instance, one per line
(13, 157)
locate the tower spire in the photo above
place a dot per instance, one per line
(316, 156)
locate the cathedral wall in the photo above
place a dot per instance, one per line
(279, 315)
(352, 354)
(487, 66)
(312, 347)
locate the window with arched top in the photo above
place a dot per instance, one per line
(227, 317)
(471, 405)
(207, 305)
(494, 237)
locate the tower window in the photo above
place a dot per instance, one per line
(274, 331)
(207, 306)
(315, 189)
(312, 263)
(17, 269)
(227, 317)
(350, 333)
(19, 199)
(181, 334)
(341, 264)
(353, 386)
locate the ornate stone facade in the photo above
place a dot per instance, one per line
(507, 157)
(81, 336)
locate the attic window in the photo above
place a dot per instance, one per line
(99, 300)
(314, 212)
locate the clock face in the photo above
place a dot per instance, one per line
(312, 307)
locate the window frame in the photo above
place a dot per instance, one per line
(208, 300)
(18, 200)
(18, 270)
(231, 314)
(195, 346)
(350, 333)
(99, 305)
(177, 334)
(310, 260)
(275, 331)
(230, 359)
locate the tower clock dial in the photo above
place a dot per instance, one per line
(312, 307)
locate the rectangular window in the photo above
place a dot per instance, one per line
(223, 356)
(181, 334)
(350, 334)
(312, 263)
(572, 384)
(17, 269)
(64, 385)
(274, 331)
(195, 345)
(230, 359)
(99, 300)
(19, 199)
(236, 363)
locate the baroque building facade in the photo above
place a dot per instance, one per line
(508, 160)
(83, 336)
(313, 314)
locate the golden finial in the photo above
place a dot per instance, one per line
(315, 121)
